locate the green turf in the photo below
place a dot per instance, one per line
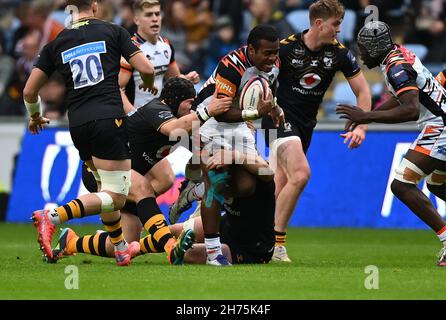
(327, 264)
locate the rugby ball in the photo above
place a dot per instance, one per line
(255, 89)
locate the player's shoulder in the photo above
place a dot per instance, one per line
(399, 61)
(441, 77)
(164, 40)
(292, 39)
(236, 61)
(155, 106)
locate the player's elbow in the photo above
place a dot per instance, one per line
(413, 113)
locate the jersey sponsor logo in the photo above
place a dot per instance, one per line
(299, 51)
(85, 63)
(165, 115)
(148, 159)
(328, 62)
(297, 62)
(310, 80)
(225, 86)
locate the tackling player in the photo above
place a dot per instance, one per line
(416, 95)
(150, 129)
(309, 61)
(88, 56)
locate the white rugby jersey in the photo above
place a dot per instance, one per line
(161, 55)
(403, 71)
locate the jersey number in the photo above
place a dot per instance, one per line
(87, 71)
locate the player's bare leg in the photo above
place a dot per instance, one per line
(292, 175)
(114, 178)
(215, 187)
(413, 168)
(161, 177)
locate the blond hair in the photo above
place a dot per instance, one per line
(326, 9)
(139, 5)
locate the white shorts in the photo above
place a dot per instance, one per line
(229, 136)
(432, 142)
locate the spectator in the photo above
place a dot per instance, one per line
(127, 17)
(223, 41)
(264, 12)
(38, 19)
(198, 23)
(173, 29)
(430, 29)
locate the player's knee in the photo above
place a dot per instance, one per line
(115, 188)
(436, 181)
(141, 188)
(399, 188)
(300, 177)
(245, 187)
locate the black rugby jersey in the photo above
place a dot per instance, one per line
(88, 57)
(250, 220)
(143, 129)
(306, 75)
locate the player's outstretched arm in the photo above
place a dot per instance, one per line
(31, 98)
(216, 107)
(408, 110)
(360, 88)
(173, 71)
(237, 115)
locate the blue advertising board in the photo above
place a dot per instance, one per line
(347, 188)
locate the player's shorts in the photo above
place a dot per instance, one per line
(216, 135)
(242, 253)
(289, 129)
(104, 139)
(142, 162)
(90, 184)
(432, 142)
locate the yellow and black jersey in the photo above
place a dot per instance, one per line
(88, 56)
(305, 76)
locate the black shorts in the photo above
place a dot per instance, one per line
(289, 129)
(90, 184)
(142, 160)
(245, 253)
(104, 139)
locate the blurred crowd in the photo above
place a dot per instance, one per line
(201, 31)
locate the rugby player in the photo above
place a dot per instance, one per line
(162, 55)
(309, 61)
(258, 58)
(149, 130)
(157, 49)
(246, 228)
(416, 95)
(88, 56)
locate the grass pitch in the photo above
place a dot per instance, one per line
(327, 264)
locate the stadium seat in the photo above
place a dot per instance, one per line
(299, 20)
(419, 50)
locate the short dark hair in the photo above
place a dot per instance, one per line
(81, 4)
(262, 32)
